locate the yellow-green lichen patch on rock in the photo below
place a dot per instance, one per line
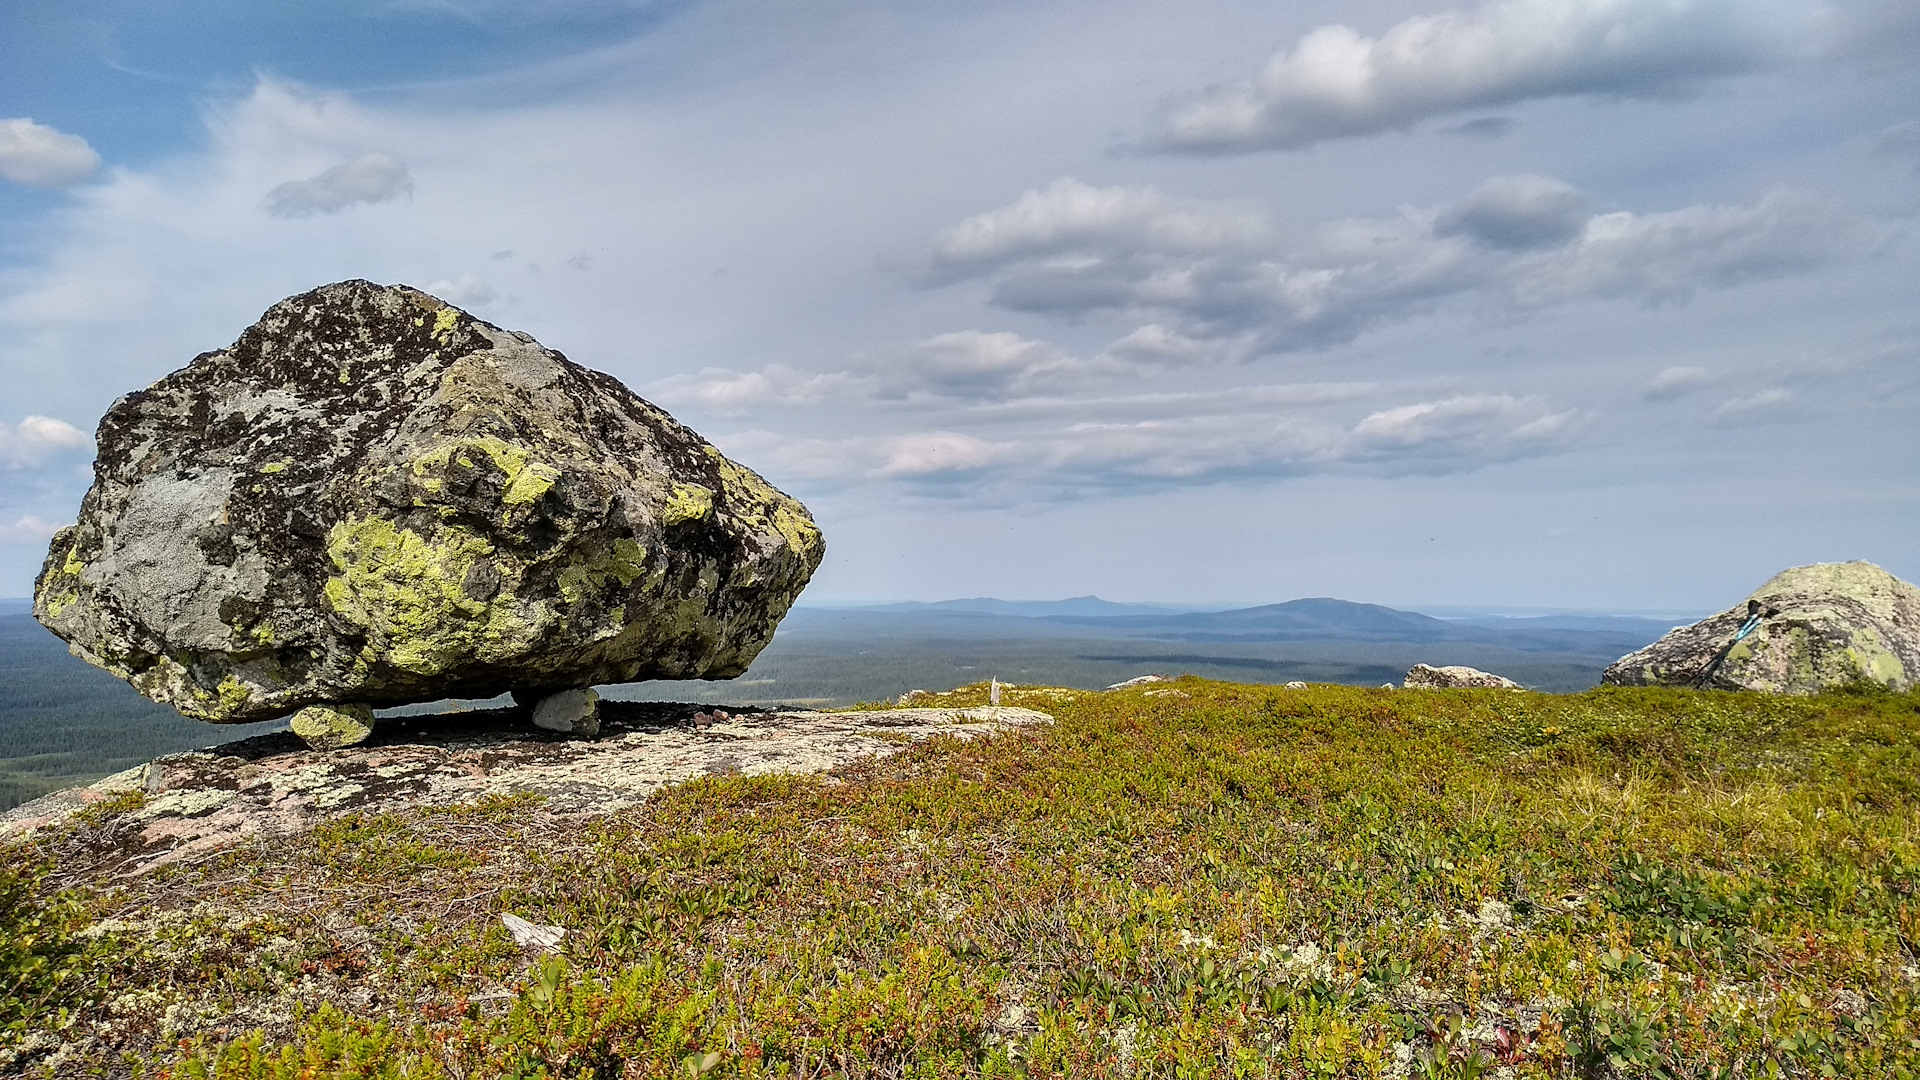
(411, 593)
(1813, 628)
(330, 727)
(467, 513)
(624, 562)
(758, 503)
(687, 502)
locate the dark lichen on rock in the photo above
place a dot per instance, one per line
(374, 497)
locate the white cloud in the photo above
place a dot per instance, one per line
(1478, 428)
(1157, 344)
(739, 393)
(40, 156)
(963, 366)
(1336, 82)
(1676, 382)
(1249, 433)
(932, 453)
(369, 178)
(927, 460)
(1519, 242)
(36, 439)
(974, 365)
(1667, 256)
(1071, 221)
(1763, 405)
(29, 529)
(464, 291)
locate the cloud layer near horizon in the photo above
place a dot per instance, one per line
(894, 265)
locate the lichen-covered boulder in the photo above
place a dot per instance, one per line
(1455, 677)
(1814, 628)
(374, 497)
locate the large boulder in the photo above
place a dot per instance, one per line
(1813, 628)
(374, 498)
(1456, 677)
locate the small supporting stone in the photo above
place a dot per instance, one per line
(330, 727)
(575, 712)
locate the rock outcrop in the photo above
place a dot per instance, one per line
(271, 785)
(1455, 676)
(1812, 628)
(373, 498)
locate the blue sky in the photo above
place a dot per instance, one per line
(1558, 303)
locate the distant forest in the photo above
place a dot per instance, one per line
(63, 722)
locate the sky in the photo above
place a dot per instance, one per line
(1604, 305)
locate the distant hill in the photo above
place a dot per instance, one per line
(1091, 606)
(63, 722)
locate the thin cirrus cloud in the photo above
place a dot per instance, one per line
(40, 156)
(369, 178)
(1336, 82)
(1520, 242)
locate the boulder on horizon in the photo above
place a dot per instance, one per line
(1810, 628)
(1456, 677)
(373, 498)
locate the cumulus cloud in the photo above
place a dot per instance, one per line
(1517, 212)
(37, 439)
(369, 178)
(1674, 382)
(1434, 436)
(963, 366)
(29, 528)
(464, 291)
(1667, 256)
(1336, 82)
(723, 392)
(40, 156)
(974, 365)
(1157, 344)
(929, 460)
(1519, 242)
(1069, 220)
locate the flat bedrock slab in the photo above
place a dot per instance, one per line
(272, 784)
(373, 496)
(1831, 625)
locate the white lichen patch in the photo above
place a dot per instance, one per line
(184, 804)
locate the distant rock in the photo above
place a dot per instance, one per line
(1296, 685)
(1455, 677)
(1809, 629)
(373, 498)
(1141, 680)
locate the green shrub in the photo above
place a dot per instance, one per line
(44, 960)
